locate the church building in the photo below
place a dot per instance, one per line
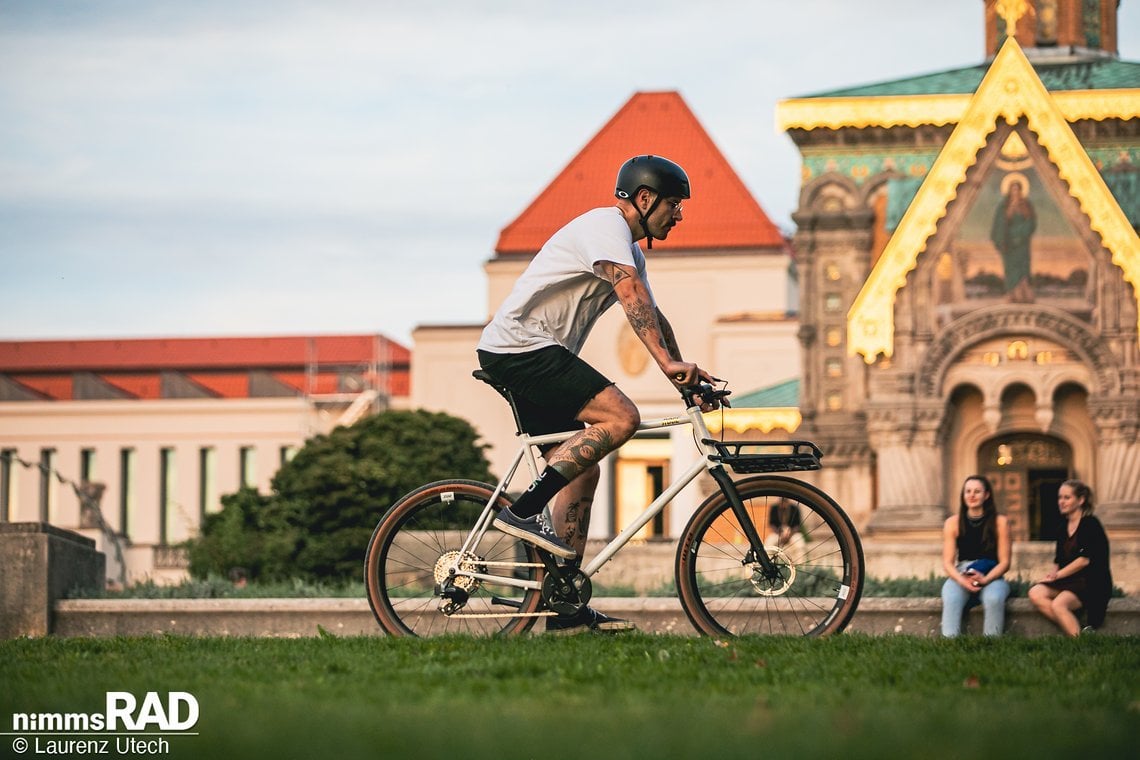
(970, 271)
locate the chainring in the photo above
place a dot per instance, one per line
(566, 601)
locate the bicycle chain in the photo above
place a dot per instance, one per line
(545, 613)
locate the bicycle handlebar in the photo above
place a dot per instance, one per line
(706, 393)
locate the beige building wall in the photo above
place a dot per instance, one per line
(258, 432)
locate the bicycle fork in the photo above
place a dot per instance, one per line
(757, 553)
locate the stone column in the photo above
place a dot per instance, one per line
(911, 480)
(1117, 486)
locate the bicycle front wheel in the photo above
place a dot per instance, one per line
(820, 564)
(416, 542)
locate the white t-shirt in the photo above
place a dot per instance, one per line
(559, 297)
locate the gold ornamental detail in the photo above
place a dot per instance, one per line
(1011, 12)
(939, 110)
(1011, 91)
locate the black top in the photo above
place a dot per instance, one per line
(971, 544)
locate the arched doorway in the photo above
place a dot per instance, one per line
(1026, 470)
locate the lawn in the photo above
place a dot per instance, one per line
(636, 696)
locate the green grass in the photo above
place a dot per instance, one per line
(635, 696)
(216, 587)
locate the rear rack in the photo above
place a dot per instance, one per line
(748, 457)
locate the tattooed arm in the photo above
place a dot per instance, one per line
(670, 339)
(648, 323)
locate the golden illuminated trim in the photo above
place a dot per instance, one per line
(1010, 90)
(879, 111)
(764, 420)
(938, 110)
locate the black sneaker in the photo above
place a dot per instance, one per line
(534, 530)
(585, 620)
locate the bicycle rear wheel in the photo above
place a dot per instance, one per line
(414, 543)
(821, 565)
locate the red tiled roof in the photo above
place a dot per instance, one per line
(721, 214)
(221, 366)
(50, 386)
(141, 385)
(196, 353)
(222, 384)
(320, 382)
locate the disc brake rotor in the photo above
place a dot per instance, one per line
(785, 575)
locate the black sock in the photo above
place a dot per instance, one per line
(540, 492)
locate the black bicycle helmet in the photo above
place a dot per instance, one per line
(660, 175)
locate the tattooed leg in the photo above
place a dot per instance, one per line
(571, 509)
(582, 451)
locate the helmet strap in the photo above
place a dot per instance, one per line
(644, 219)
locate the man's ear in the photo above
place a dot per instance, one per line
(644, 199)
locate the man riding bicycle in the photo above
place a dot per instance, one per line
(531, 347)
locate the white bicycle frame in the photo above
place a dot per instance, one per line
(526, 452)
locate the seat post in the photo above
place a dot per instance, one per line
(505, 393)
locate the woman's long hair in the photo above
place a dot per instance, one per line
(989, 513)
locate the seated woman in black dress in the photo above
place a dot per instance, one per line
(1081, 577)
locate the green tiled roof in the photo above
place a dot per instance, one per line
(780, 395)
(1092, 74)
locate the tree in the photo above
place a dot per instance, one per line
(326, 501)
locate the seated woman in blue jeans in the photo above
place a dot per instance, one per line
(976, 549)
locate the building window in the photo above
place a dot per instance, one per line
(207, 480)
(7, 483)
(834, 337)
(832, 272)
(287, 454)
(47, 471)
(126, 489)
(834, 367)
(832, 302)
(834, 402)
(167, 487)
(86, 465)
(247, 464)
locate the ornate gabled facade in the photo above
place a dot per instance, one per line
(970, 274)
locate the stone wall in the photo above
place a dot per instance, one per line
(41, 565)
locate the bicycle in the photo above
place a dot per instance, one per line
(435, 565)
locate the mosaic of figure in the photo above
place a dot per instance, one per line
(1014, 245)
(1011, 233)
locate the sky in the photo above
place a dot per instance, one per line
(272, 167)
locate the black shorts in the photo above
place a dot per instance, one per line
(550, 385)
